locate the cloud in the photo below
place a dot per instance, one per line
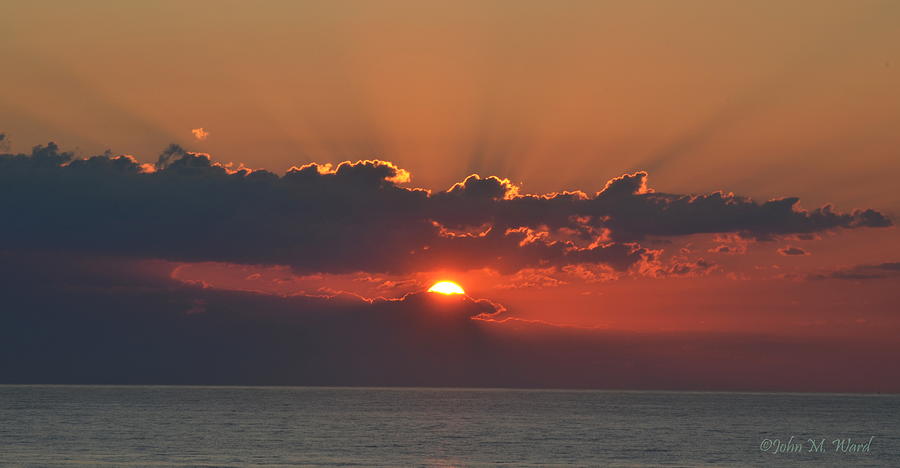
(791, 250)
(678, 267)
(106, 320)
(200, 133)
(862, 272)
(358, 216)
(726, 249)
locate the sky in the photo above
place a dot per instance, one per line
(649, 195)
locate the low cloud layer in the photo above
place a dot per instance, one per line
(862, 272)
(110, 321)
(361, 216)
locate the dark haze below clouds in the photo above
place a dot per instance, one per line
(358, 217)
(94, 320)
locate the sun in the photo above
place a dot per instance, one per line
(446, 287)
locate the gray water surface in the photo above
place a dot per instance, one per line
(283, 426)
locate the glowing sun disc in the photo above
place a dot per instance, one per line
(446, 287)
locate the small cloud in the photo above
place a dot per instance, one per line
(200, 133)
(679, 267)
(862, 272)
(734, 249)
(791, 250)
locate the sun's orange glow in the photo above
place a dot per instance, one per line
(446, 287)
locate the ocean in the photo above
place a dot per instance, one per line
(68, 426)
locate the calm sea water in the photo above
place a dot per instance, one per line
(237, 426)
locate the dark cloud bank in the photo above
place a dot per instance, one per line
(87, 298)
(358, 217)
(106, 321)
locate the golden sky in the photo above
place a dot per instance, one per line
(761, 98)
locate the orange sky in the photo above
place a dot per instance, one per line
(762, 99)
